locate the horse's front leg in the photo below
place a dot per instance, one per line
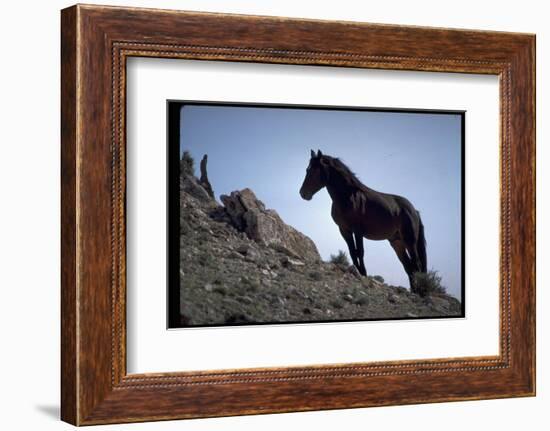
(348, 237)
(360, 253)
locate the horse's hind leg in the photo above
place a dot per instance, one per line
(410, 237)
(401, 252)
(415, 258)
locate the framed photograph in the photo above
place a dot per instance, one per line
(234, 260)
(317, 215)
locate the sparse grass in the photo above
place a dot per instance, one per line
(340, 259)
(187, 164)
(428, 283)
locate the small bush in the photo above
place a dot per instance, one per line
(428, 283)
(378, 278)
(340, 259)
(187, 164)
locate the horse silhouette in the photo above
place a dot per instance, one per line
(361, 212)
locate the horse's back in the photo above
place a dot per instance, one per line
(403, 204)
(410, 217)
(392, 204)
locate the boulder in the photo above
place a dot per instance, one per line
(191, 186)
(248, 214)
(288, 262)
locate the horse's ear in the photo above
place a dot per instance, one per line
(319, 154)
(312, 154)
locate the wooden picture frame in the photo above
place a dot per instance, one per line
(95, 43)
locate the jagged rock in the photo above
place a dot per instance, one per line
(265, 226)
(204, 177)
(235, 255)
(361, 301)
(374, 282)
(288, 262)
(282, 249)
(191, 186)
(440, 302)
(248, 251)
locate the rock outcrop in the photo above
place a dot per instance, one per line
(204, 181)
(266, 227)
(192, 187)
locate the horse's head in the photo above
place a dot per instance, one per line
(315, 178)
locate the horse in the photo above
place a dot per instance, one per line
(361, 212)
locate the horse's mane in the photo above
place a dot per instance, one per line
(346, 173)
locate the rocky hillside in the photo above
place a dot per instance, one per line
(240, 263)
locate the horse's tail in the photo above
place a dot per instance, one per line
(421, 246)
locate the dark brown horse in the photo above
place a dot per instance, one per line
(361, 212)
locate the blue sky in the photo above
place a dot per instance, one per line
(416, 155)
